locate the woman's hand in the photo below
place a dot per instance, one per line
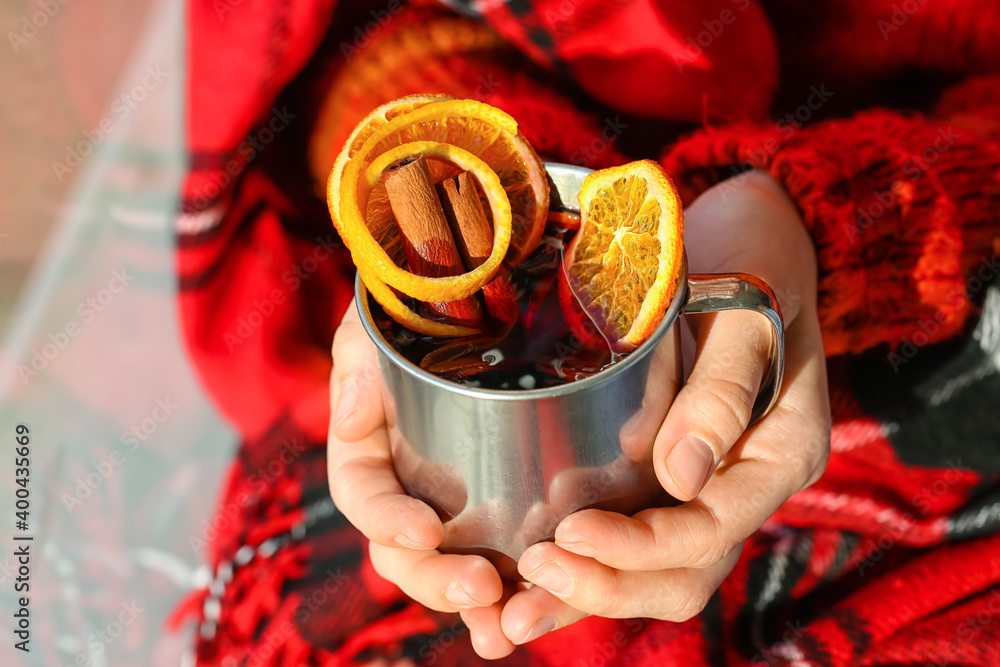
(403, 532)
(661, 563)
(666, 563)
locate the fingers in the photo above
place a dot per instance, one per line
(535, 612)
(446, 583)
(783, 453)
(596, 589)
(365, 489)
(487, 637)
(363, 483)
(713, 409)
(798, 438)
(355, 386)
(755, 230)
(697, 534)
(749, 225)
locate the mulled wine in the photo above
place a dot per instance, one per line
(538, 350)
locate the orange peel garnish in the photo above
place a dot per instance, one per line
(398, 311)
(367, 251)
(376, 282)
(389, 134)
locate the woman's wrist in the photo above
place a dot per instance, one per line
(750, 225)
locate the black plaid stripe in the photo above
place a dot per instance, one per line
(466, 7)
(534, 30)
(845, 547)
(856, 629)
(941, 400)
(981, 517)
(770, 581)
(199, 280)
(711, 627)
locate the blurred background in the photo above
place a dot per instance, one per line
(127, 453)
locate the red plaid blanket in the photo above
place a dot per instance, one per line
(884, 130)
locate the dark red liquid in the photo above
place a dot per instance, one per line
(539, 351)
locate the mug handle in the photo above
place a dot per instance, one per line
(711, 293)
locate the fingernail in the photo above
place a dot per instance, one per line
(569, 539)
(542, 626)
(348, 400)
(459, 597)
(552, 578)
(689, 464)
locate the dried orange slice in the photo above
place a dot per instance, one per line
(624, 263)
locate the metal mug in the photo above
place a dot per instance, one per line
(503, 467)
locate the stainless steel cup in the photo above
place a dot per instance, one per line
(504, 467)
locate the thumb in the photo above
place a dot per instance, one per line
(356, 408)
(711, 411)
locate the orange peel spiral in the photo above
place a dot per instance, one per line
(383, 140)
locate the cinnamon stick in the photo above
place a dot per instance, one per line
(430, 246)
(474, 237)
